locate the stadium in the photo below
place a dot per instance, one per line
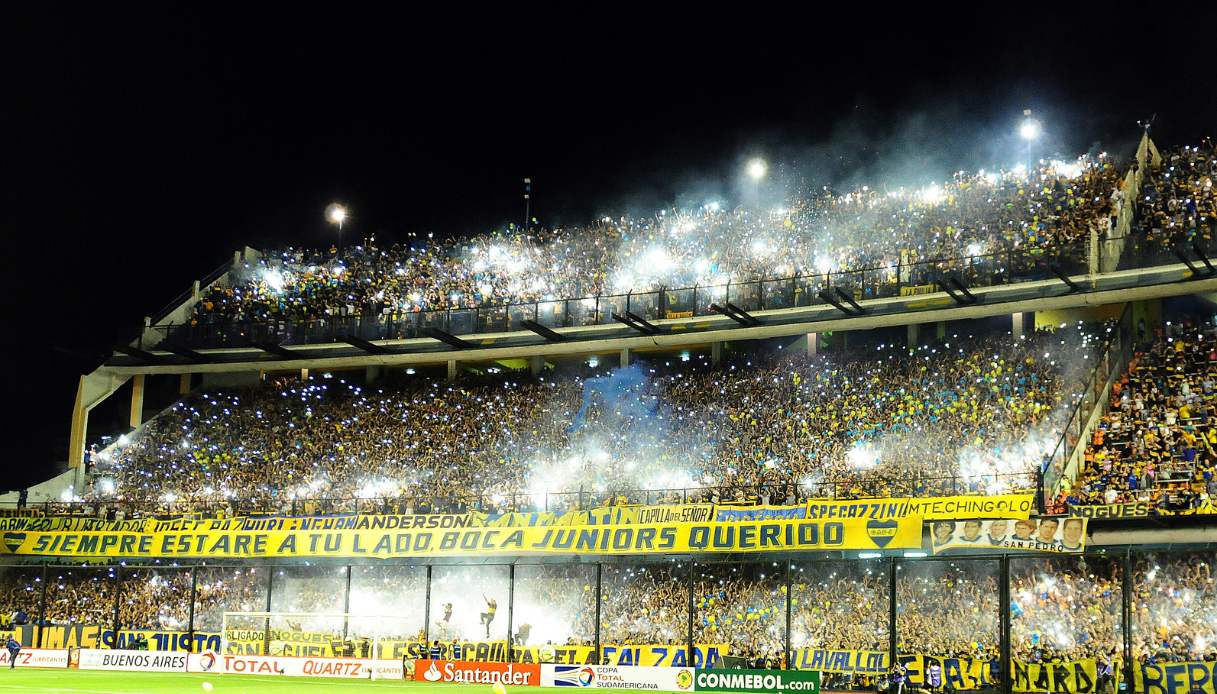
(869, 437)
(892, 468)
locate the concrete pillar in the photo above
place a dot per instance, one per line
(372, 374)
(452, 370)
(183, 384)
(80, 427)
(236, 258)
(716, 353)
(536, 364)
(195, 289)
(813, 344)
(940, 330)
(625, 357)
(303, 375)
(137, 401)
(912, 329)
(1016, 325)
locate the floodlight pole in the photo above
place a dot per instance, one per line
(527, 202)
(346, 607)
(194, 592)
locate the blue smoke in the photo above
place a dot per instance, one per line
(620, 392)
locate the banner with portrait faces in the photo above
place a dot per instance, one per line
(1043, 534)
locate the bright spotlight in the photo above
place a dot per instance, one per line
(336, 214)
(1030, 129)
(757, 168)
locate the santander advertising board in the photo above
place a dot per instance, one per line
(515, 674)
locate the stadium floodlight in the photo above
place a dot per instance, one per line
(757, 168)
(1030, 131)
(1030, 128)
(336, 213)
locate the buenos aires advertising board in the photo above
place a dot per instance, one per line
(807, 681)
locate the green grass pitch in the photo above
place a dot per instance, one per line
(110, 682)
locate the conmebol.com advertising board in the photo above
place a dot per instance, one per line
(806, 681)
(666, 679)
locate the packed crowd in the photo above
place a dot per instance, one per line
(1060, 609)
(1178, 205)
(948, 609)
(1174, 608)
(645, 604)
(20, 595)
(743, 607)
(1017, 219)
(970, 415)
(149, 599)
(1065, 609)
(1157, 444)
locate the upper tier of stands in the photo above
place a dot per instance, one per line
(987, 228)
(761, 429)
(1177, 205)
(969, 415)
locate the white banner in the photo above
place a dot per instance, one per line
(37, 657)
(617, 677)
(142, 661)
(350, 668)
(1047, 534)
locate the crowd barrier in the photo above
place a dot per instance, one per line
(958, 674)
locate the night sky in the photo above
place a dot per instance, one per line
(142, 145)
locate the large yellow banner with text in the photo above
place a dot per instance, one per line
(367, 540)
(962, 674)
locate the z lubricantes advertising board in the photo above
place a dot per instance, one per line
(467, 672)
(617, 677)
(757, 681)
(37, 657)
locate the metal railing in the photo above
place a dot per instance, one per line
(1113, 357)
(1008, 266)
(205, 282)
(551, 502)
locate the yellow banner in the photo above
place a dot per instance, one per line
(369, 539)
(288, 642)
(1010, 506)
(251, 523)
(1139, 509)
(1078, 677)
(1176, 678)
(303, 644)
(95, 636)
(624, 515)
